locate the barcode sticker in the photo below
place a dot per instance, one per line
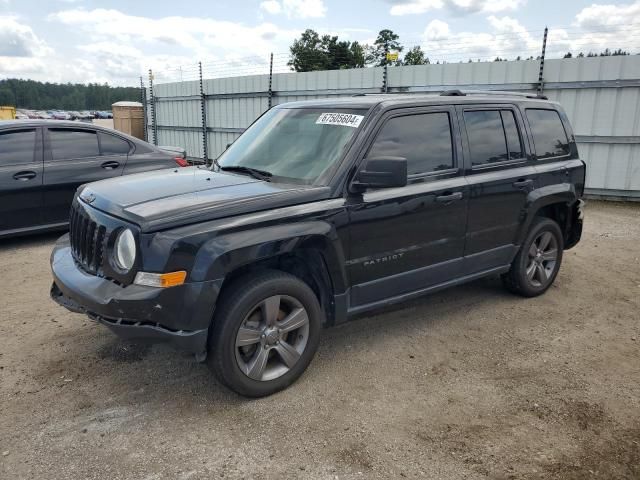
(342, 119)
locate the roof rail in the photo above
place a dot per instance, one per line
(464, 93)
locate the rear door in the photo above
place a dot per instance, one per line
(72, 158)
(20, 179)
(500, 173)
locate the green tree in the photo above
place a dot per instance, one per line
(387, 42)
(307, 53)
(312, 52)
(46, 96)
(415, 56)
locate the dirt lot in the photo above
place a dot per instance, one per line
(468, 383)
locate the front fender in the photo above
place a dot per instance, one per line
(224, 253)
(540, 198)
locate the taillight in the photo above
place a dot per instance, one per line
(181, 162)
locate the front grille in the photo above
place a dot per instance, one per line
(87, 239)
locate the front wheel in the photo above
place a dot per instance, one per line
(538, 261)
(265, 333)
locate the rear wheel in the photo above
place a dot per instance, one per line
(265, 333)
(538, 261)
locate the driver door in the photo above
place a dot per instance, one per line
(407, 239)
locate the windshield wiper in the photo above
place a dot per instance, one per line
(254, 172)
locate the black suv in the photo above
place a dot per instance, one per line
(322, 210)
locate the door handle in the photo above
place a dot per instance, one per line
(25, 175)
(523, 183)
(111, 165)
(449, 197)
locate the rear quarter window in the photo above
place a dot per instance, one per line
(549, 136)
(112, 145)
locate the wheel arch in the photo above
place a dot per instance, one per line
(555, 202)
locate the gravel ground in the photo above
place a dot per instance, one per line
(468, 383)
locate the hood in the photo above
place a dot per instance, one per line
(163, 199)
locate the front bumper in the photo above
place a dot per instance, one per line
(178, 315)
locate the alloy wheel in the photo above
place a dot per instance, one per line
(272, 338)
(542, 259)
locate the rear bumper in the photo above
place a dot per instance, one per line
(179, 315)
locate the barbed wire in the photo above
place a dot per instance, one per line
(460, 49)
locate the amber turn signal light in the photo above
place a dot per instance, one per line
(160, 280)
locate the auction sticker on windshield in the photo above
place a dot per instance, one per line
(342, 119)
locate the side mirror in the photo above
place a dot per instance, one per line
(382, 172)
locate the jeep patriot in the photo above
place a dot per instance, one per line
(319, 211)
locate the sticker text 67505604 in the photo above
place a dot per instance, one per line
(342, 119)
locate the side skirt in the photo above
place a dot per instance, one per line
(351, 311)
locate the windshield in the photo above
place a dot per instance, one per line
(295, 144)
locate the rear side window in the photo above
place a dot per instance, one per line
(112, 145)
(493, 136)
(424, 140)
(17, 147)
(549, 135)
(67, 144)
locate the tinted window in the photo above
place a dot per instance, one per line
(514, 145)
(67, 144)
(17, 147)
(112, 145)
(549, 136)
(424, 140)
(486, 137)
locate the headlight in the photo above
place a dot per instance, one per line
(125, 250)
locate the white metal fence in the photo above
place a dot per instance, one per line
(601, 96)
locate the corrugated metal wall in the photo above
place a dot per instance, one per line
(601, 96)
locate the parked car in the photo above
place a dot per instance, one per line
(320, 211)
(102, 115)
(42, 163)
(58, 115)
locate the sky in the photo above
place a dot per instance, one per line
(118, 41)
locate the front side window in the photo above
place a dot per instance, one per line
(549, 136)
(68, 144)
(294, 144)
(17, 147)
(112, 145)
(424, 140)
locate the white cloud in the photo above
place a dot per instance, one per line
(19, 40)
(608, 15)
(295, 8)
(460, 7)
(437, 30)
(508, 38)
(22, 52)
(271, 6)
(598, 27)
(203, 37)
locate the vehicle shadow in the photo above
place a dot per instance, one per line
(178, 375)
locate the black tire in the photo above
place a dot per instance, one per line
(242, 299)
(517, 279)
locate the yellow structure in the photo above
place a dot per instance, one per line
(7, 113)
(128, 117)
